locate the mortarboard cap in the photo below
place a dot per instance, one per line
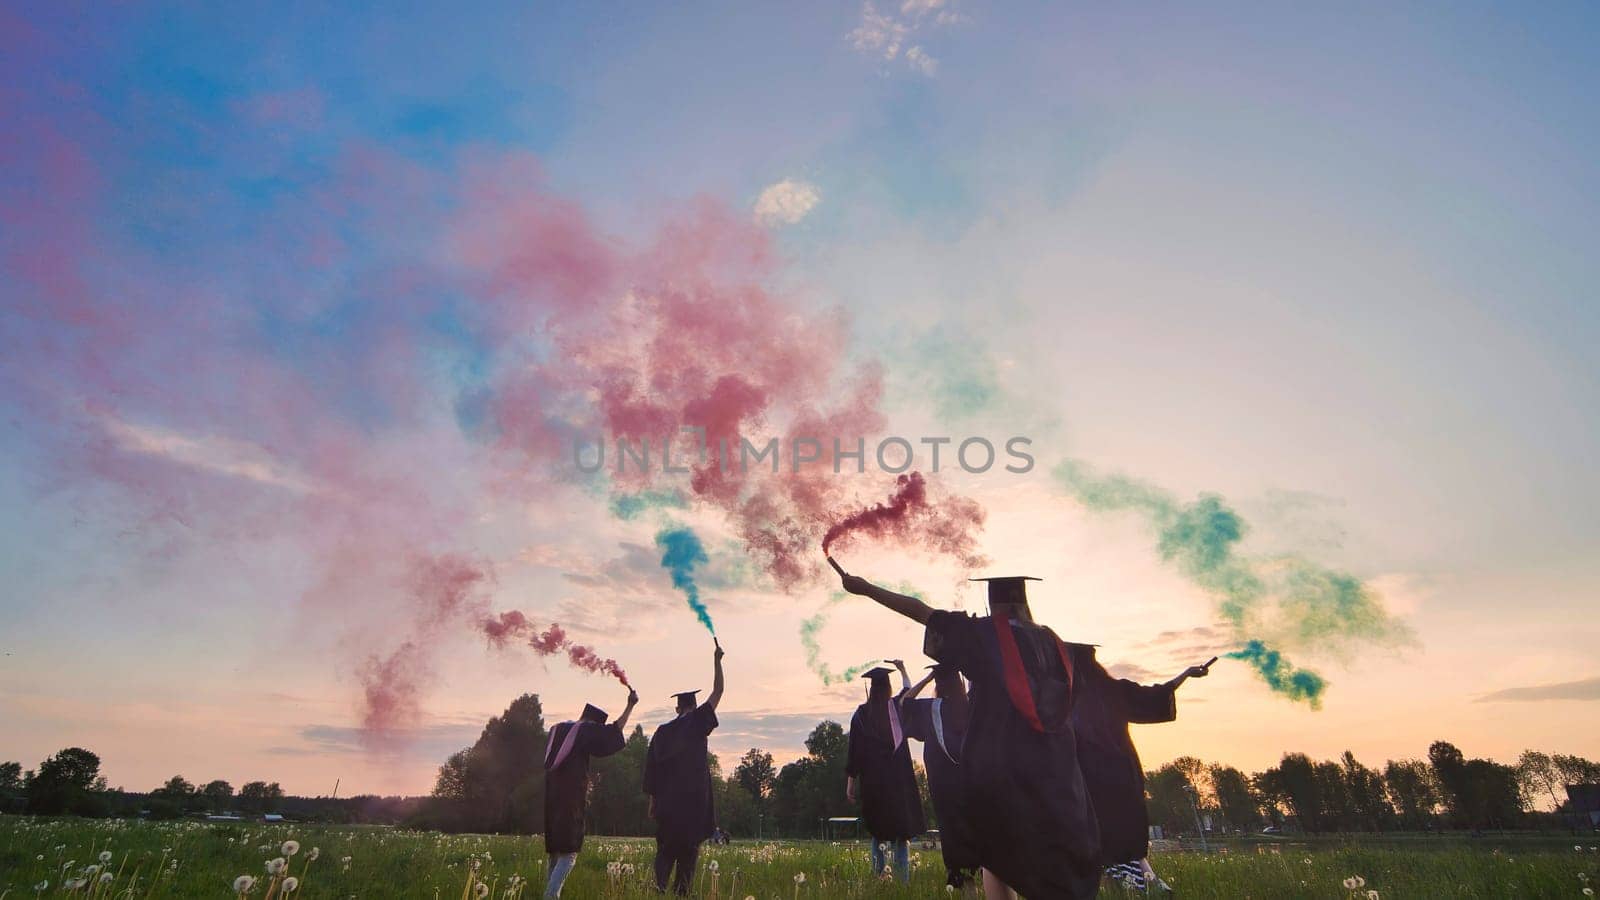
(595, 714)
(1008, 588)
(878, 673)
(685, 696)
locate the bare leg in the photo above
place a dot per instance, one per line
(995, 889)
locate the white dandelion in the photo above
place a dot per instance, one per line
(243, 884)
(105, 856)
(291, 884)
(290, 848)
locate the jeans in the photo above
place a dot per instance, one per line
(902, 858)
(560, 867)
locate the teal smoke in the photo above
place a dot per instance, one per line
(1309, 605)
(682, 553)
(1281, 676)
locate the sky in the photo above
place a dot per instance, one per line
(305, 311)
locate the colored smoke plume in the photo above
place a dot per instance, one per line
(909, 517)
(1282, 601)
(444, 592)
(811, 628)
(1281, 676)
(682, 553)
(513, 625)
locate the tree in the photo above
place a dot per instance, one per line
(1368, 805)
(1167, 798)
(1236, 798)
(68, 782)
(1496, 799)
(177, 788)
(1413, 790)
(1575, 769)
(812, 788)
(451, 783)
(497, 784)
(755, 773)
(260, 797)
(1450, 772)
(1537, 777)
(617, 802)
(11, 779)
(217, 793)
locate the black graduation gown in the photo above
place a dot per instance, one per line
(891, 808)
(1022, 790)
(942, 732)
(1109, 761)
(566, 786)
(676, 775)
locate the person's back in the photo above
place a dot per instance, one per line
(1023, 793)
(566, 783)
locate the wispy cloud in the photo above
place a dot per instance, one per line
(1583, 689)
(892, 36)
(224, 456)
(428, 742)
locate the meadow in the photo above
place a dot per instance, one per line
(135, 859)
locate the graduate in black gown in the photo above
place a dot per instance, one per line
(1110, 763)
(566, 783)
(879, 773)
(1023, 793)
(941, 724)
(678, 780)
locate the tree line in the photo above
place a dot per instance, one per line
(69, 783)
(1444, 791)
(497, 786)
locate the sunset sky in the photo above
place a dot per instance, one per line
(296, 301)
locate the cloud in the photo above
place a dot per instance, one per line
(786, 202)
(919, 60)
(888, 35)
(427, 742)
(223, 456)
(1134, 672)
(1584, 689)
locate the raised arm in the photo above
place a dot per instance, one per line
(911, 692)
(1200, 671)
(905, 677)
(910, 607)
(716, 680)
(622, 720)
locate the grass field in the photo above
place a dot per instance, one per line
(191, 859)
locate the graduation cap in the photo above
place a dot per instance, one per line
(594, 714)
(878, 673)
(1008, 588)
(685, 697)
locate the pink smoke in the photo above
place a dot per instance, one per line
(946, 526)
(513, 625)
(153, 386)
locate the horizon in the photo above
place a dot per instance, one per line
(307, 315)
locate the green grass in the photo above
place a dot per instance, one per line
(192, 859)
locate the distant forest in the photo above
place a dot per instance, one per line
(497, 786)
